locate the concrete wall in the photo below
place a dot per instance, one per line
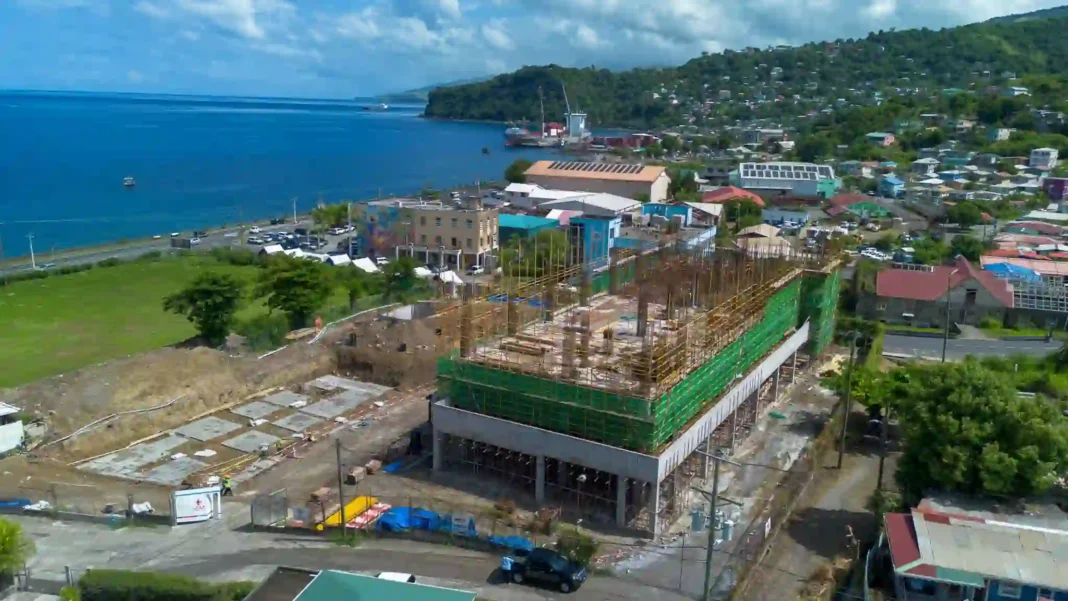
(473, 232)
(10, 436)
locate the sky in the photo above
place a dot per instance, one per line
(345, 48)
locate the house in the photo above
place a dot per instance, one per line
(925, 166)
(530, 196)
(450, 235)
(1043, 158)
(778, 217)
(891, 187)
(11, 430)
(625, 180)
(854, 168)
(707, 213)
(295, 584)
(986, 159)
(998, 134)
(594, 237)
(945, 553)
(858, 205)
(880, 138)
(729, 193)
(598, 204)
(1013, 91)
(1056, 188)
(765, 247)
(922, 296)
(758, 231)
(783, 178)
(682, 212)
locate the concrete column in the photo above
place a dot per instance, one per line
(396, 252)
(539, 480)
(793, 372)
(709, 448)
(654, 507)
(562, 468)
(775, 390)
(438, 450)
(621, 500)
(734, 425)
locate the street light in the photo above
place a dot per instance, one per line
(945, 335)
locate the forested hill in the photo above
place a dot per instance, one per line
(801, 78)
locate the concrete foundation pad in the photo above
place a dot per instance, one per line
(255, 410)
(127, 462)
(341, 403)
(334, 383)
(298, 422)
(250, 442)
(285, 398)
(207, 428)
(173, 472)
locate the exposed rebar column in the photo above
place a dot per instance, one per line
(609, 336)
(548, 301)
(512, 314)
(643, 310)
(467, 313)
(567, 359)
(613, 276)
(584, 338)
(584, 288)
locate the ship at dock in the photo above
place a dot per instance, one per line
(573, 131)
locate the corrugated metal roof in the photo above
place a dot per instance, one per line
(525, 222)
(331, 585)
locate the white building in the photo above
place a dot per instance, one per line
(598, 205)
(800, 179)
(1043, 158)
(531, 196)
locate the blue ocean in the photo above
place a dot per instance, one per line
(202, 161)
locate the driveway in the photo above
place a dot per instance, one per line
(956, 350)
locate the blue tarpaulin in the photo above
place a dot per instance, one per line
(1008, 271)
(399, 519)
(14, 502)
(517, 543)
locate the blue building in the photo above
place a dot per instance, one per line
(522, 226)
(669, 211)
(942, 553)
(594, 238)
(891, 186)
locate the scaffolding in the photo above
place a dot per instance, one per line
(631, 354)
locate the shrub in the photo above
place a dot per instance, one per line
(119, 585)
(576, 546)
(989, 322)
(152, 255)
(112, 262)
(264, 332)
(236, 256)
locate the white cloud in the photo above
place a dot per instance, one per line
(134, 76)
(190, 35)
(586, 37)
(496, 35)
(246, 18)
(152, 9)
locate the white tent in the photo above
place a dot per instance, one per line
(339, 260)
(366, 264)
(423, 272)
(272, 249)
(450, 277)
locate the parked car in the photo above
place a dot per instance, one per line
(476, 270)
(301, 231)
(381, 261)
(254, 229)
(337, 231)
(278, 221)
(194, 241)
(544, 566)
(200, 234)
(253, 240)
(873, 227)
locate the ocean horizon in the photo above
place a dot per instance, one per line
(207, 161)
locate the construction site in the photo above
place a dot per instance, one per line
(609, 388)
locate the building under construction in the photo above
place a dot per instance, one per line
(608, 387)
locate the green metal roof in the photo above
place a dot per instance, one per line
(525, 222)
(330, 585)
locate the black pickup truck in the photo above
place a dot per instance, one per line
(543, 566)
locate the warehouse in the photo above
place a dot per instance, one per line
(637, 182)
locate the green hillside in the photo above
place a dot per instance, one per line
(805, 78)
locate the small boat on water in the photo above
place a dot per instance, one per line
(128, 181)
(376, 107)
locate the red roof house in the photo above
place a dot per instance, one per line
(919, 296)
(933, 285)
(730, 193)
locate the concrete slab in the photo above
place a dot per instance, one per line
(285, 398)
(333, 383)
(255, 410)
(173, 472)
(250, 442)
(127, 462)
(207, 428)
(298, 422)
(342, 403)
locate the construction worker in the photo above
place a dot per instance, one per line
(227, 486)
(506, 568)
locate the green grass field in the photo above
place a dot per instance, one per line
(66, 322)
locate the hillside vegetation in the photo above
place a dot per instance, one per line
(777, 82)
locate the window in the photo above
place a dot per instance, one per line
(470, 224)
(437, 240)
(422, 239)
(1045, 593)
(880, 306)
(437, 221)
(469, 245)
(969, 297)
(454, 244)
(455, 221)
(422, 220)
(1009, 589)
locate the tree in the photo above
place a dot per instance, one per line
(209, 302)
(15, 548)
(328, 216)
(886, 242)
(517, 171)
(296, 287)
(399, 279)
(359, 284)
(969, 247)
(929, 252)
(965, 429)
(965, 214)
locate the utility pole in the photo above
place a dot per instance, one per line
(349, 211)
(848, 404)
(945, 334)
(882, 449)
(33, 261)
(341, 491)
(294, 210)
(711, 547)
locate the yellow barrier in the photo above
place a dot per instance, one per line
(352, 509)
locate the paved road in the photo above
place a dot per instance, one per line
(956, 350)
